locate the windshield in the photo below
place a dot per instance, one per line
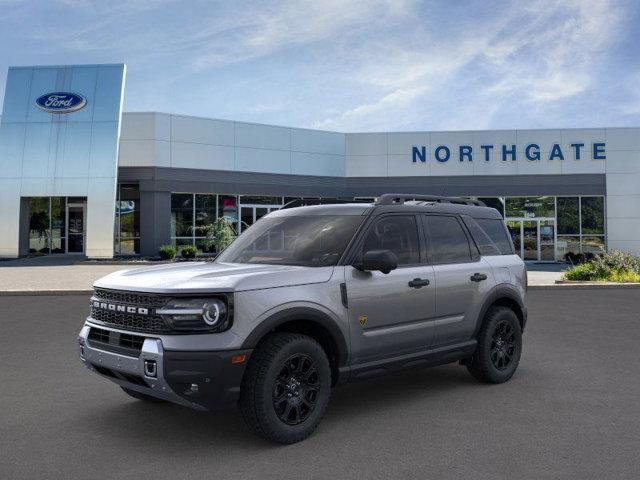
(312, 240)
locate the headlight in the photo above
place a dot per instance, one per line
(196, 314)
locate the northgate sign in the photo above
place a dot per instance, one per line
(531, 152)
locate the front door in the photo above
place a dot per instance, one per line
(391, 314)
(75, 227)
(534, 239)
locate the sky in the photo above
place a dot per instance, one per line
(351, 65)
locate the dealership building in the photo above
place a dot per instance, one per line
(80, 176)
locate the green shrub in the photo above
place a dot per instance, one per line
(615, 266)
(188, 251)
(582, 271)
(617, 260)
(167, 252)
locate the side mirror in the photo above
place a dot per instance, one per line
(382, 260)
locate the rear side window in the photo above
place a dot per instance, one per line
(446, 239)
(486, 246)
(397, 233)
(496, 231)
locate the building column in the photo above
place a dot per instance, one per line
(155, 221)
(9, 217)
(25, 218)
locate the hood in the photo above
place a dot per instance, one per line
(195, 277)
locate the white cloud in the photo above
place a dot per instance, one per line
(534, 53)
(348, 64)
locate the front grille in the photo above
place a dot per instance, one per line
(131, 341)
(149, 300)
(116, 342)
(128, 320)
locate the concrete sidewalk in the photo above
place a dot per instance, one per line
(70, 275)
(51, 274)
(545, 273)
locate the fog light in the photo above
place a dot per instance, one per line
(150, 368)
(194, 387)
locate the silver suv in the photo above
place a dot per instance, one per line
(310, 297)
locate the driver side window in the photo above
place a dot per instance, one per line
(398, 233)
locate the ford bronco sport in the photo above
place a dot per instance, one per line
(310, 297)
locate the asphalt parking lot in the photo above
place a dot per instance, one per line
(571, 411)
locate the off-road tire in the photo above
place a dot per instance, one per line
(262, 386)
(141, 396)
(485, 364)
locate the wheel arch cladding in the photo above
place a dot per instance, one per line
(504, 296)
(307, 321)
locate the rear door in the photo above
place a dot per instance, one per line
(391, 314)
(462, 278)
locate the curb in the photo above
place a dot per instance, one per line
(584, 286)
(42, 293)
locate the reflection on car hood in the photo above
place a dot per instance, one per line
(193, 277)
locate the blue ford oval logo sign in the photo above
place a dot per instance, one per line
(61, 102)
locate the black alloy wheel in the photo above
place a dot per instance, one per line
(503, 345)
(286, 387)
(499, 346)
(296, 389)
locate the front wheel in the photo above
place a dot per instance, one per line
(499, 347)
(286, 387)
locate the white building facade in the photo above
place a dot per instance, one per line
(560, 190)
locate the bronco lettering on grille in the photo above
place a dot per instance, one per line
(119, 308)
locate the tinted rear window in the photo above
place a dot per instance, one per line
(496, 231)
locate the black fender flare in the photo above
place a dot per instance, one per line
(499, 292)
(300, 313)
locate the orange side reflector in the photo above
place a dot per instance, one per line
(237, 359)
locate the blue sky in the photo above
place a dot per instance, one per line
(347, 65)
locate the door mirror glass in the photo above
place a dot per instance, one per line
(381, 260)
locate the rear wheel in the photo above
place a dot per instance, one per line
(286, 388)
(499, 347)
(141, 396)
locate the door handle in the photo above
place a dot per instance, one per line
(418, 282)
(478, 277)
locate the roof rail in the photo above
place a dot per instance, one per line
(305, 202)
(400, 198)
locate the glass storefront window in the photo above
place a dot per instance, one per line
(205, 210)
(39, 225)
(228, 208)
(567, 244)
(48, 229)
(568, 216)
(129, 211)
(530, 207)
(593, 244)
(127, 226)
(181, 214)
(58, 216)
(580, 223)
(260, 200)
(592, 213)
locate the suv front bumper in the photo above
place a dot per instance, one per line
(203, 380)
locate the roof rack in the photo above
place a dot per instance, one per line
(305, 202)
(400, 198)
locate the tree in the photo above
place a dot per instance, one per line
(219, 234)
